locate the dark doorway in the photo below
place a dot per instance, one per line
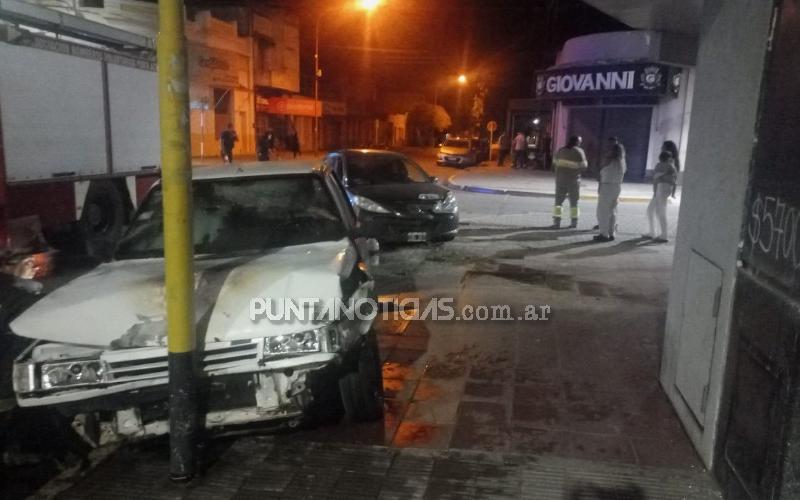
(628, 123)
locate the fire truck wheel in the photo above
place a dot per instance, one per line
(102, 218)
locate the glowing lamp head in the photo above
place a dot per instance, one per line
(462, 79)
(368, 5)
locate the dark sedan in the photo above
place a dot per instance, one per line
(395, 200)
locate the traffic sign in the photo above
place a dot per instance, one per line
(491, 126)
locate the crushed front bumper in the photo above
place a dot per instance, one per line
(236, 386)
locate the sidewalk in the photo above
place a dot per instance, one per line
(266, 467)
(505, 180)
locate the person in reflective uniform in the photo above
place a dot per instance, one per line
(569, 162)
(611, 175)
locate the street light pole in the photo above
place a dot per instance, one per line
(176, 185)
(365, 5)
(316, 82)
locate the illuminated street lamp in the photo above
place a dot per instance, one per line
(367, 6)
(461, 79)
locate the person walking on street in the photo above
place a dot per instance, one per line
(611, 174)
(502, 150)
(665, 177)
(520, 148)
(266, 142)
(293, 143)
(672, 148)
(227, 140)
(569, 162)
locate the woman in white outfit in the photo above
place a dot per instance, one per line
(665, 177)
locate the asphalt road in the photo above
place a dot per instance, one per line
(536, 211)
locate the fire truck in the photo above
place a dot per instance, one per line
(79, 133)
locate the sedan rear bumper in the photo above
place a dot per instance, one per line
(456, 160)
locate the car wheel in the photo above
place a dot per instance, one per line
(362, 388)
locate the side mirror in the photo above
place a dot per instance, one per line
(435, 179)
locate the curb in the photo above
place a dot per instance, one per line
(536, 194)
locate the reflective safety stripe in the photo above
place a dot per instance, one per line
(560, 162)
(574, 212)
(557, 211)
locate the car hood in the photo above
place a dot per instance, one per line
(419, 192)
(121, 304)
(448, 150)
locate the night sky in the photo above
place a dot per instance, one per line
(413, 44)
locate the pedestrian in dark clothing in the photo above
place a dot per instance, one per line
(293, 143)
(227, 140)
(266, 142)
(504, 144)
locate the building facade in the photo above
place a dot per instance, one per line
(634, 85)
(237, 57)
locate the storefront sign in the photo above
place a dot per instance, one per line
(262, 104)
(297, 106)
(642, 79)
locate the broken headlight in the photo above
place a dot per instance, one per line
(71, 373)
(323, 339)
(447, 206)
(294, 343)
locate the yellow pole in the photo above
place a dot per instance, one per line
(176, 175)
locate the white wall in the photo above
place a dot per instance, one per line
(614, 46)
(671, 121)
(729, 70)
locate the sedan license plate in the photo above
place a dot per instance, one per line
(417, 236)
(452, 158)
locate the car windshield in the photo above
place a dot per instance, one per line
(456, 143)
(373, 169)
(241, 215)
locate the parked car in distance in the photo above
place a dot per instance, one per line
(461, 152)
(395, 200)
(278, 232)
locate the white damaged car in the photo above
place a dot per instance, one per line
(280, 233)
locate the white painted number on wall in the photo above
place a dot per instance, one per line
(772, 229)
